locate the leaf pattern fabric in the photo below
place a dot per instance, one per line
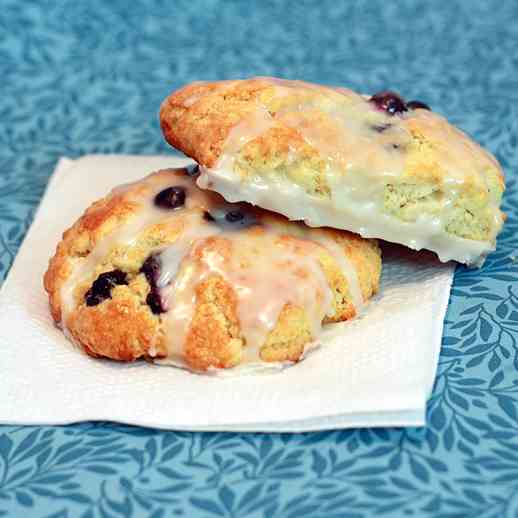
(88, 77)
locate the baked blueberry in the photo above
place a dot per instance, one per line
(151, 269)
(192, 170)
(93, 300)
(171, 198)
(414, 105)
(231, 217)
(155, 303)
(102, 286)
(389, 102)
(234, 216)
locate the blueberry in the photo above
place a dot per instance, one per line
(234, 216)
(171, 198)
(192, 170)
(155, 303)
(151, 269)
(231, 217)
(414, 105)
(102, 286)
(115, 276)
(389, 102)
(93, 300)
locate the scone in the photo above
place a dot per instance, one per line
(161, 269)
(377, 166)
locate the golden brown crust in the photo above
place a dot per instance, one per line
(201, 128)
(120, 328)
(214, 338)
(198, 118)
(287, 340)
(100, 218)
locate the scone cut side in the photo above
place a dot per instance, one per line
(162, 270)
(377, 166)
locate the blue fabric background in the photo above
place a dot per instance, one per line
(88, 77)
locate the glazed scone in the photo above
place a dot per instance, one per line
(161, 269)
(376, 166)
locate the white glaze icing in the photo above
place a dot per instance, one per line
(364, 217)
(251, 263)
(266, 264)
(360, 162)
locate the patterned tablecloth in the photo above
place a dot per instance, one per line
(88, 77)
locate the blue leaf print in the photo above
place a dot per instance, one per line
(353, 445)
(436, 464)
(458, 400)
(366, 472)
(468, 329)
(319, 463)
(466, 434)
(419, 470)
(502, 310)
(432, 440)
(380, 451)
(102, 470)
(449, 438)
(207, 505)
(5, 447)
(24, 499)
(507, 404)
(78, 498)
(438, 418)
(496, 379)
(18, 474)
(250, 496)
(266, 446)
(26, 443)
(494, 362)
(472, 309)
(433, 506)
(470, 340)
(151, 449)
(227, 497)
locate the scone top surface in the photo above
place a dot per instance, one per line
(377, 166)
(162, 269)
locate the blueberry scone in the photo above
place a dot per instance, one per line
(161, 269)
(377, 166)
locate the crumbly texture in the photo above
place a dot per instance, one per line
(199, 118)
(123, 326)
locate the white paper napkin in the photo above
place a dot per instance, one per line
(374, 371)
